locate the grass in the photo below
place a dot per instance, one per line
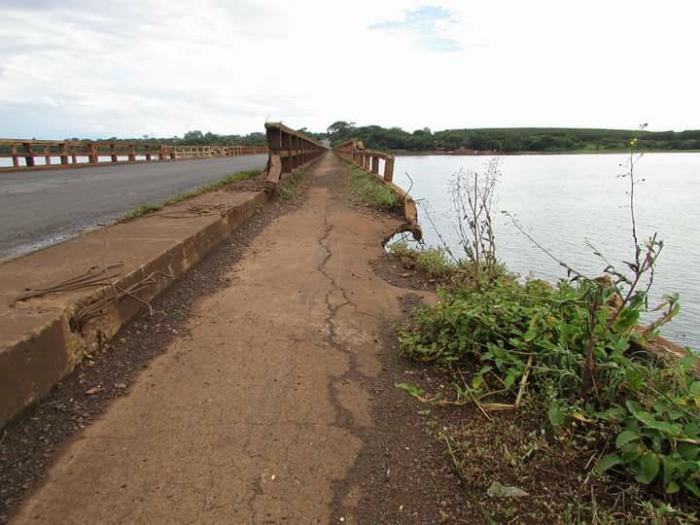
(150, 207)
(288, 188)
(431, 261)
(370, 190)
(435, 263)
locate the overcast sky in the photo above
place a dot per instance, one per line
(163, 67)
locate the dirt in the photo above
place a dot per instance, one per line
(402, 273)
(262, 391)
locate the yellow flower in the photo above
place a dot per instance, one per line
(551, 320)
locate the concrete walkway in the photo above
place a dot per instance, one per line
(41, 208)
(256, 413)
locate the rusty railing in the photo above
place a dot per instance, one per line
(368, 160)
(49, 154)
(289, 150)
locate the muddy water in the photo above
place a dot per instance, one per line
(563, 200)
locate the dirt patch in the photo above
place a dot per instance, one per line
(29, 444)
(402, 273)
(256, 183)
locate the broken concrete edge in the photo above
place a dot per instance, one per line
(662, 349)
(273, 175)
(274, 171)
(410, 210)
(32, 366)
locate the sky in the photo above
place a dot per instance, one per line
(164, 67)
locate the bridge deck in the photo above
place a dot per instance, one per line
(264, 406)
(40, 208)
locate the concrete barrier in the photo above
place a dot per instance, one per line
(78, 294)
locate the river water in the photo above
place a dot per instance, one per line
(564, 200)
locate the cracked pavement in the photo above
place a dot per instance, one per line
(259, 411)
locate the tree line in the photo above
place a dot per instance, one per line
(506, 140)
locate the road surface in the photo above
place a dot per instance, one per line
(40, 208)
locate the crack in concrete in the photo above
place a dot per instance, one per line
(345, 417)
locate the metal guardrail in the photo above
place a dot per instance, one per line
(354, 151)
(62, 154)
(289, 149)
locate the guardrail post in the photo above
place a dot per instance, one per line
(375, 164)
(29, 154)
(161, 156)
(389, 169)
(63, 151)
(47, 155)
(113, 151)
(92, 153)
(73, 155)
(15, 158)
(171, 149)
(132, 153)
(147, 147)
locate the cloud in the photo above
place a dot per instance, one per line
(127, 68)
(428, 24)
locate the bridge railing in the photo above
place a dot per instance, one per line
(289, 149)
(382, 165)
(354, 151)
(47, 154)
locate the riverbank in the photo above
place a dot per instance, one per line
(548, 448)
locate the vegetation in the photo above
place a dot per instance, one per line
(150, 207)
(507, 140)
(570, 357)
(430, 261)
(194, 138)
(288, 188)
(370, 190)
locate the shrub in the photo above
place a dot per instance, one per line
(517, 335)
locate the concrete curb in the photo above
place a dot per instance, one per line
(39, 341)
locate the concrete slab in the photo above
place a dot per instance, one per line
(42, 338)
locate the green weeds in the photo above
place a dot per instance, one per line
(431, 261)
(435, 262)
(370, 190)
(288, 187)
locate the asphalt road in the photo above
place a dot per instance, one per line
(40, 208)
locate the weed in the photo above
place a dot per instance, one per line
(288, 188)
(370, 190)
(431, 261)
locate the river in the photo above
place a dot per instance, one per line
(564, 200)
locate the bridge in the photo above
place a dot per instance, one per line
(216, 360)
